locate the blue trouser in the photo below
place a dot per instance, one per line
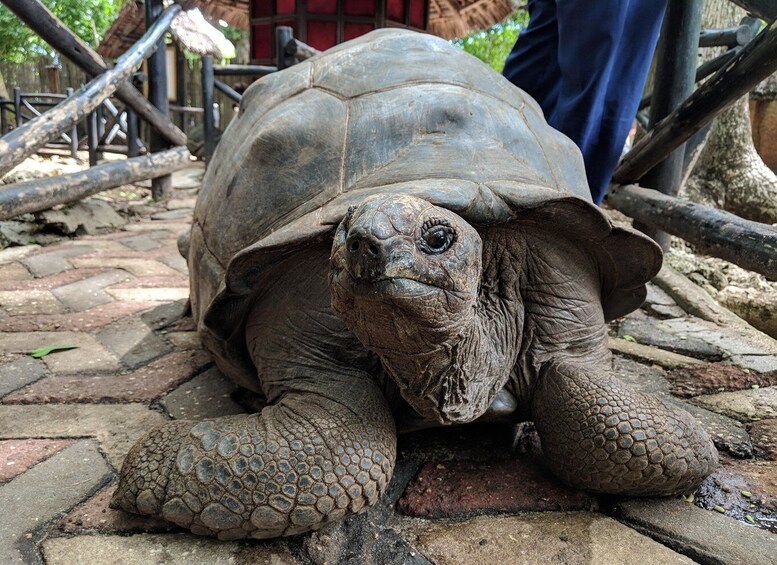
(586, 64)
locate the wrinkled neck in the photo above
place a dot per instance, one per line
(455, 381)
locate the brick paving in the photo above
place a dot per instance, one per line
(461, 495)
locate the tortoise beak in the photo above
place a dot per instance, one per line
(371, 259)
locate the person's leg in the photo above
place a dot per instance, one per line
(625, 87)
(605, 48)
(532, 65)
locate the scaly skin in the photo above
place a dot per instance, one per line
(599, 435)
(304, 462)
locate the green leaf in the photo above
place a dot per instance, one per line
(628, 338)
(43, 351)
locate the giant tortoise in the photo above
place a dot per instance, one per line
(390, 236)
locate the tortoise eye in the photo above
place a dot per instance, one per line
(438, 239)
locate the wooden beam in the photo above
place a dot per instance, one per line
(750, 245)
(756, 61)
(25, 140)
(243, 70)
(230, 92)
(43, 22)
(156, 66)
(208, 122)
(674, 80)
(41, 194)
(300, 51)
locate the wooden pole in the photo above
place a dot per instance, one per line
(674, 80)
(243, 70)
(230, 92)
(92, 138)
(756, 61)
(17, 106)
(73, 131)
(750, 245)
(208, 123)
(133, 150)
(25, 140)
(162, 186)
(180, 84)
(283, 35)
(41, 194)
(300, 51)
(43, 22)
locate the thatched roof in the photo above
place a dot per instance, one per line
(189, 29)
(457, 18)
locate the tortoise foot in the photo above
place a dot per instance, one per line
(259, 476)
(600, 435)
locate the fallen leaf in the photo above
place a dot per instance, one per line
(43, 351)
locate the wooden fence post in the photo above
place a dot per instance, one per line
(73, 131)
(17, 105)
(675, 74)
(208, 122)
(157, 95)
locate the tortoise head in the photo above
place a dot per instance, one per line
(404, 273)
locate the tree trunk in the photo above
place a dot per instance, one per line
(729, 173)
(763, 117)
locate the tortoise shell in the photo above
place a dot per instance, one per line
(393, 111)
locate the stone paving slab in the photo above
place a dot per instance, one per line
(12, 274)
(50, 282)
(745, 490)
(20, 372)
(577, 538)
(744, 405)
(11, 254)
(136, 267)
(90, 292)
(144, 384)
(459, 489)
(705, 536)
(716, 377)
(173, 549)
(41, 494)
(764, 434)
(208, 395)
(150, 294)
(18, 455)
(56, 261)
(83, 321)
(133, 342)
(91, 355)
(29, 302)
(94, 515)
(660, 357)
(116, 426)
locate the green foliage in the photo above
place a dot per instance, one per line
(89, 19)
(494, 44)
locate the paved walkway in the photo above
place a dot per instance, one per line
(474, 494)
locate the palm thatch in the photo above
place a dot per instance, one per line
(189, 29)
(458, 18)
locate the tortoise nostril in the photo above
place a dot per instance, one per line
(373, 249)
(353, 246)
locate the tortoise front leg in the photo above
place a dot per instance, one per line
(600, 435)
(307, 460)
